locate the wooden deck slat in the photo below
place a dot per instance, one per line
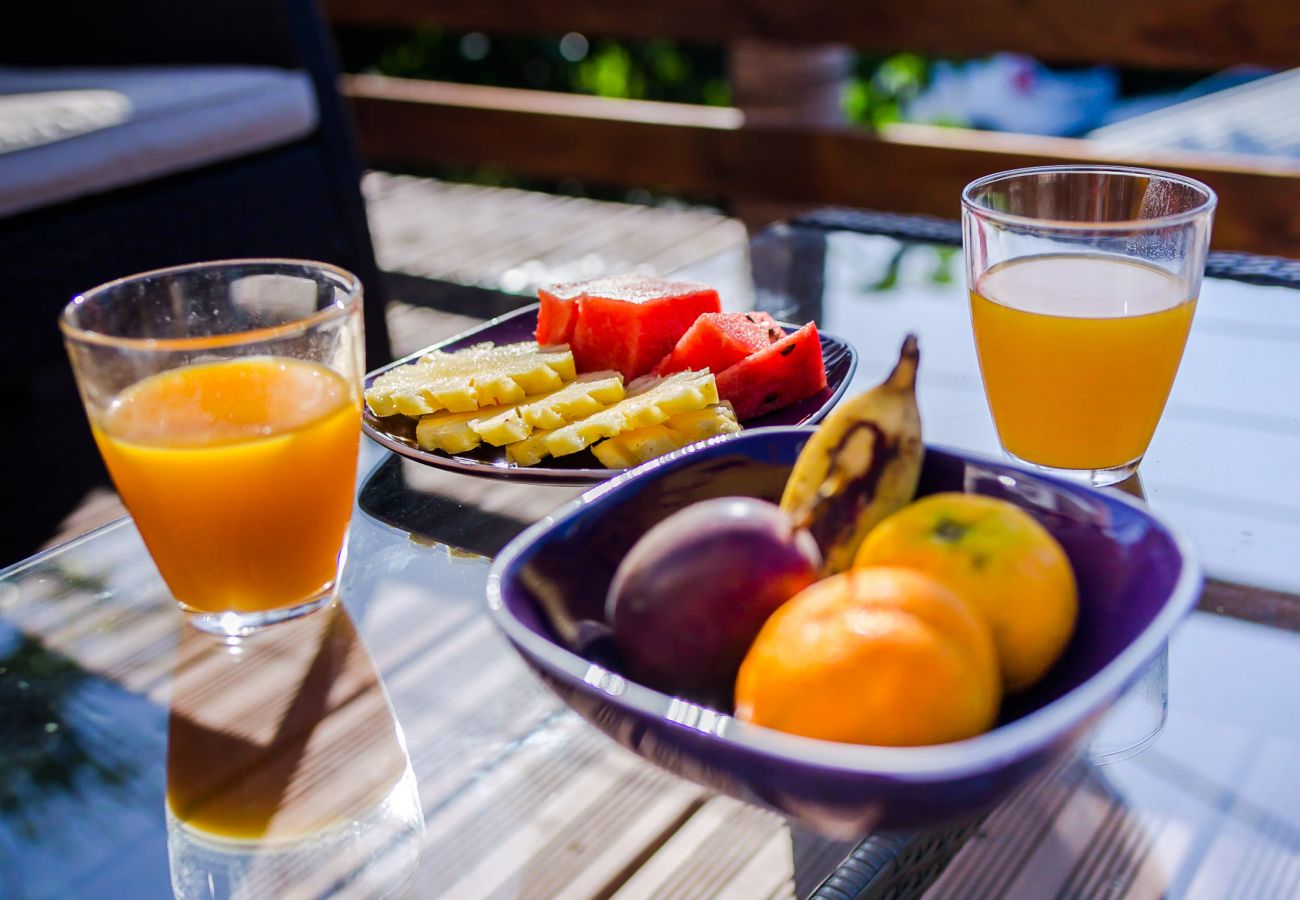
(583, 252)
(517, 240)
(413, 328)
(725, 850)
(723, 236)
(516, 245)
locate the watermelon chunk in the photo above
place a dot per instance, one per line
(558, 313)
(718, 341)
(630, 322)
(776, 376)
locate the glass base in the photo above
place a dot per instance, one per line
(1137, 719)
(1093, 477)
(242, 624)
(374, 854)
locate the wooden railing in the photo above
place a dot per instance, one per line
(764, 157)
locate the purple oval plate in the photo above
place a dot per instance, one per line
(1137, 579)
(397, 433)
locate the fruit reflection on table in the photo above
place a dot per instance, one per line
(849, 612)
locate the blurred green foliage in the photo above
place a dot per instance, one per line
(47, 749)
(639, 70)
(882, 85)
(636, 70)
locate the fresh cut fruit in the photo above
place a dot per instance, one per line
(692, 593)
(469, 379)
(630, 322)
(718, 341)
(461, 432)
(998, 557)
(776, 376)
(631, 448)
(453, 432)
(873, 656)
(861, 464)
(558, 313)
(648, 402)
(585, 395)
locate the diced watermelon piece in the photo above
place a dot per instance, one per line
(718, 341)
(776, 376)
(559, 312)
(629, 322)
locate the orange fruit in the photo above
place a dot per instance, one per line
(999, 558)
(872, 656)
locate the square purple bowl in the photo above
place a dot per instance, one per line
(1137, 580)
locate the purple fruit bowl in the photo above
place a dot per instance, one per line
(1137, 579)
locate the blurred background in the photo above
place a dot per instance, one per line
(733, 116)
(457, 155)
(1001, 92)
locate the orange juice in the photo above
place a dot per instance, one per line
(240, 476)
(1078, 354)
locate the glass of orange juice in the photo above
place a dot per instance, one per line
(1083, 281)
(225, 398)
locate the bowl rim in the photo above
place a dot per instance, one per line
(970, 756)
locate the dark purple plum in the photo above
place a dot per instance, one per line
(691, 595)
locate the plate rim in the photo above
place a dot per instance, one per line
(541, 475)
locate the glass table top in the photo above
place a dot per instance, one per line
(392, 742)
(395, 744)
(1225, 461)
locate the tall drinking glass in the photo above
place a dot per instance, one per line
(225, 398)
(1083, 281)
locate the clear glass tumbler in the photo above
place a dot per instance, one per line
(1083, 281)
(225, 398)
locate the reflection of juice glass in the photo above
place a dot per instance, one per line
(287, 771)
(225, 399)
(1083, 281)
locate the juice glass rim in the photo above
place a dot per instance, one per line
(347, 281)
(970, 204)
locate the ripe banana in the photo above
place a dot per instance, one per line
(861, 464)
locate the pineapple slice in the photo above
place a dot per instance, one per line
(632, 448)
(531, 450)
(469, 379)
(452, 432)
(614, 455)
(649, 402)
(460, 432)
(705, 423)
(479, 356)
(590, 393)
(635, 447)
